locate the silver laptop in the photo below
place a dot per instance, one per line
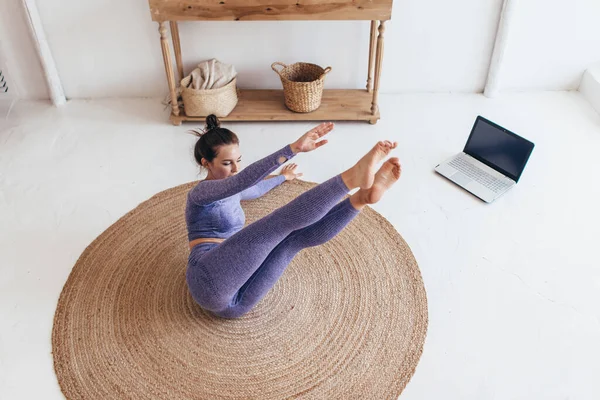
(491, 163)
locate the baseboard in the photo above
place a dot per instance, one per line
(590, 86)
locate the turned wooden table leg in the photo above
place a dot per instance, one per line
(177, 48)
(371, 55)
(378, 61)
(168, 67)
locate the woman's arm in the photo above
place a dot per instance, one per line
(262, 187)
(208, 191)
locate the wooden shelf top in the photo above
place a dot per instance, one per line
(268, 105)
(265, 10)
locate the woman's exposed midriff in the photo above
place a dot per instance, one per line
(205, 240)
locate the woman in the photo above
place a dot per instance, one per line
(230, 268)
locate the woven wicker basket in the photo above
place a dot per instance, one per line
(200, 103)
(302, 85)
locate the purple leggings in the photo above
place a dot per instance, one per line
(229, 278)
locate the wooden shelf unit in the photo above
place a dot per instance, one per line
(268, 105)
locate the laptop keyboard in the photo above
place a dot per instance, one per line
(494, 184)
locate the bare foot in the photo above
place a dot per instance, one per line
(362, 174)
(387, 175)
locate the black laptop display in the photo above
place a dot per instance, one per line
(498, 148)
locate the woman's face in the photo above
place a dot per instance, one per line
(226, 163)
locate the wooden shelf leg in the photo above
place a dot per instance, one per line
(177, 48)
(378, 62)
(168, 66)
(371, 55)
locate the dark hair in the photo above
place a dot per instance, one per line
(211, 138)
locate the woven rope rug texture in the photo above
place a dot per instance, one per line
(347, 320)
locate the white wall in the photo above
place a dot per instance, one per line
(18, 52)
(440, 45)
(551, 44)
(110, 48)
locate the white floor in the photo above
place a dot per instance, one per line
(513, 287)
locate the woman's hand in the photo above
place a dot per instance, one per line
(289, 171)
(309, 141)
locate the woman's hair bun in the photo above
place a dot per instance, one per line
(212, 122)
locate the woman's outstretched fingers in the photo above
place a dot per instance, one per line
(323, 128)
(310, 140)
(289, 172)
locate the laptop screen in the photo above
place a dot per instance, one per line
(498, 148)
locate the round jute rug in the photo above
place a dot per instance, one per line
(346, 320)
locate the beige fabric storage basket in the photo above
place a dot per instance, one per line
(200, 103)
(302, 85)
